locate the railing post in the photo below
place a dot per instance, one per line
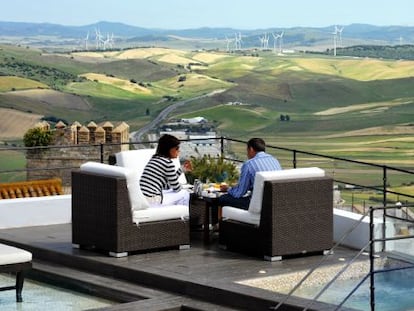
(294, 158)
(102, 152)
(384, 185)
(371, 259)
(222, 146)
(384, 204)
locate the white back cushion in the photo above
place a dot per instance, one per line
(137, 159)
(137, 199)
(182, 179)
(134, 159)
(257, 196)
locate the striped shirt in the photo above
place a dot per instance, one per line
(260, 163)
(159, 174)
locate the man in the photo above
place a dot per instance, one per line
(258, 161)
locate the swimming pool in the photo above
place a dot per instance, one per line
(39, 296)
(394, 290)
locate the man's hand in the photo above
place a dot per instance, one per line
(224, 187)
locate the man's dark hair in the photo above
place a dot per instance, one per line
(165, 143)
(257, 144)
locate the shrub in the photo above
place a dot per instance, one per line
(182, 79)
(211, 169)
(37, 137)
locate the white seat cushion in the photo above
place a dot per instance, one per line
(241, 215)
(160, 212)
(134, 159)
(137, 199)
(11, 255)
(257, 196)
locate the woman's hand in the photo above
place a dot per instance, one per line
(187, 166)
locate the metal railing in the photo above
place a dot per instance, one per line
(372, 256)
(334, 166)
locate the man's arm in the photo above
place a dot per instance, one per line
(244, 183)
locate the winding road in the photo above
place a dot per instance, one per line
(137, 136)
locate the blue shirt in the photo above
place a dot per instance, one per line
(260, 163)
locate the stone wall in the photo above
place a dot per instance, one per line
(73, 146)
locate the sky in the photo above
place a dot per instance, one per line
(184, 14)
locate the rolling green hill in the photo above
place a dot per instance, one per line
(328, 100)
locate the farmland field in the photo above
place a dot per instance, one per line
(14, 123)
(356, 108)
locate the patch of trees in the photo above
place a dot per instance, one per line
(37, 137)
(53, 119)
(143, 84)
(169, 98)
(376, 51)
(182, 79)
(284, 117)
(53, 77)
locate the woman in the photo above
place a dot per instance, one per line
(159, 180)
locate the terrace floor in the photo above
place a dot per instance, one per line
(201, 278)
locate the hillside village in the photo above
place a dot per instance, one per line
(200, 134)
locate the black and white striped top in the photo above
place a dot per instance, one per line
(159, 174)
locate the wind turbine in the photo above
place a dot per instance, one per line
(335, 39)
(238, 41)
(107, 41)
(262, 42)
(266, 41)
(98, 38)
(228, 42)
(111, 41)
(275, 37)
(339, 31)
(86, 41)
(281, 41)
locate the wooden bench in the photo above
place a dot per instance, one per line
(33, 188)
(15, 260)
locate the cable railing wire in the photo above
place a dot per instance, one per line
(319, 264)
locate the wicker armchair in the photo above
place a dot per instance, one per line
(296, 217)
(102, 218)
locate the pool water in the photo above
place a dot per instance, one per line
(394, 291)
(40, 296)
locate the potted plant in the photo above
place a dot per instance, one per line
(213, 169)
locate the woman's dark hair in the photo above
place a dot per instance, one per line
(165, 143)
(257, 144)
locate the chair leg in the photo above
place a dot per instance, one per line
(19, 285)
(118, 255)
(328, 252)
(273, 258)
